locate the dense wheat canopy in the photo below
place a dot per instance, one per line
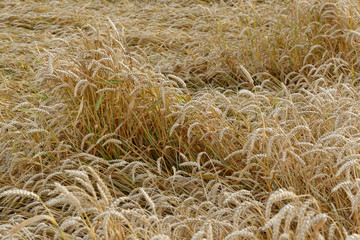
(180, 119)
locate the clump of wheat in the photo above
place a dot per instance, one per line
(107, 130)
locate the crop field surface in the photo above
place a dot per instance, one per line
(180, 119)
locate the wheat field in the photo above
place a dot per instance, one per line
(180, 119)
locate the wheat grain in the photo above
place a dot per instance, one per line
(20, 192)
(242, 233)
(279, 195)
(37, 130)
(105, 136)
